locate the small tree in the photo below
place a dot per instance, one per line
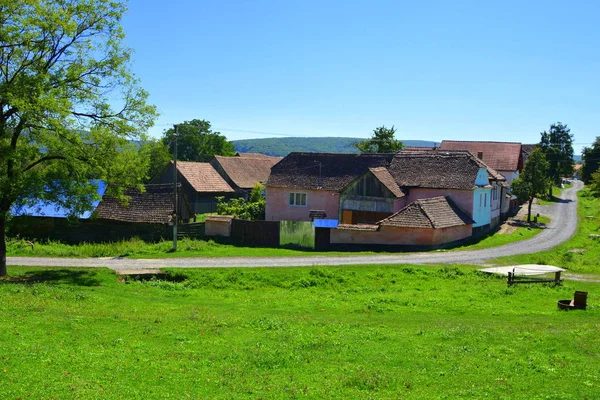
(382, 141)
(533, 181)
(253, 209)
(557, 145)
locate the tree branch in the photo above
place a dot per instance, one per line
(43, 159)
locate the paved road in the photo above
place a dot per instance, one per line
(562, 226)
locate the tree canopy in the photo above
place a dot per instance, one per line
(157, 155)
(69, 105)
(533, 181)
(591, 160)
(382, 141)
(557, 145)
(197, 142)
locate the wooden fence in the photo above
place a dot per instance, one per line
(255, 233)
(192, 230)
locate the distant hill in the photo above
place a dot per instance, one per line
(283, 146)
(577, 158)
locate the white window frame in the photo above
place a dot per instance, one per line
(294, 195)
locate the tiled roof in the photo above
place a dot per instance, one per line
(328, 171)
(203, 177)
(155, 205)
(434, 213)
(246, 171)
(255, 155)
(358, 227)
(387, 180)
(502, 156)
(435, 169)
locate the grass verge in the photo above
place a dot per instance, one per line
(410, 332)
(581, 253)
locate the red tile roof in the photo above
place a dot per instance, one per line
(246, 171)
(203, 177)
(434, 213)
(501, 156)
(387, 180)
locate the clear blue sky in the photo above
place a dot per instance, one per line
(435, 69)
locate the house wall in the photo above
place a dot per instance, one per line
(481, 207)
(389, 235)
(278, 209)
(217, 228)
(510, 175)
(495, 213)
(462, 198)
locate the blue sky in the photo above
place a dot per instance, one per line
(436, 70)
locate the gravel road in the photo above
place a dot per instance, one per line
(561, 228)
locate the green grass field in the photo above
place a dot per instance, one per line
(581, 253)
(369, 332)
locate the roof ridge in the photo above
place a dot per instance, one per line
(481, 141)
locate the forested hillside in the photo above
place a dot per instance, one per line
(285, 145)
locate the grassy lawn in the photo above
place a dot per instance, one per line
(579, 254)
(497, 239)
(369, 332)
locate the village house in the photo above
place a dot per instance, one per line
(362, 191)
(200, 182)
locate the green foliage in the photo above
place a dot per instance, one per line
(591, 160)
(534, 180)
(382, 141)
(253, 209)
(197, 142)
(557, 145)
(283, 146)
(157, 156)
(352, 332)
(595, 183)
(68, 104)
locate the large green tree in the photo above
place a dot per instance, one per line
(197, 142)
(69, 105)
(591, 160)
(533, 181)
(157, 155)
(382, 141)
(557, 145)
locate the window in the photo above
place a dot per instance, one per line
(297, 199)
(485, 199)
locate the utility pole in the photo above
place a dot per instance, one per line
(175, 216)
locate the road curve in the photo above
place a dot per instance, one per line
(560, 229)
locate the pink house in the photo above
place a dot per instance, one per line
(302, 182)
(362, 191)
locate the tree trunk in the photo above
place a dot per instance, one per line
(2, 244)
(550, 192)
(529, 209)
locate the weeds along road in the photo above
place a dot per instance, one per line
(560, 229)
